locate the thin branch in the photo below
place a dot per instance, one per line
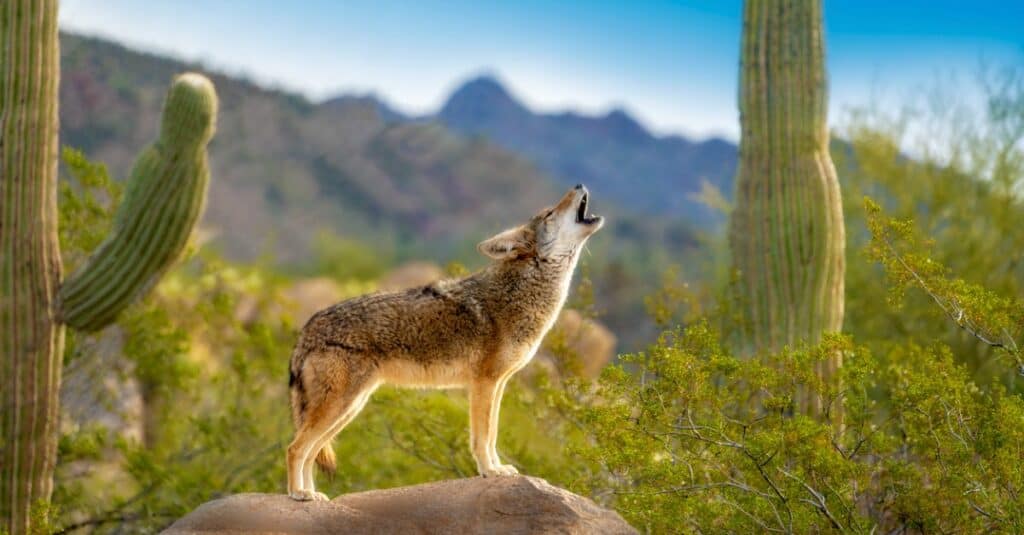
(818, 503)
(956, 313)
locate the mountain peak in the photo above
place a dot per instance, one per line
(481, 95)
(612, 151)
(624, 126)
(485, 84)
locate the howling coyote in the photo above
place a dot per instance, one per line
(473, 332)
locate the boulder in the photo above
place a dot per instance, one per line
(588, 340)
(410, 275)
(311, 296)
(510, 505)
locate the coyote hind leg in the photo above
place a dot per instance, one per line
(317, 423)
(324, 441)
(330, 403)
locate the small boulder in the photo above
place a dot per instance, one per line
(588, 340)
(509, 505)
(311, 296)
(410, 275)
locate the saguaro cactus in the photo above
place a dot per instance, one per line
(786, 233)
(165, 196)
(164, 200)
(31, 339)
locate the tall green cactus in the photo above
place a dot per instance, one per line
(786, 234)
(165, 196)
(31, 340)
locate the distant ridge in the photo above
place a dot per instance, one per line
(285, 169)
(385, 112)
(614, 152)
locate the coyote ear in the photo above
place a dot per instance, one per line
(507, 244)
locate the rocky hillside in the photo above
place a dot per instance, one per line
(285, 169)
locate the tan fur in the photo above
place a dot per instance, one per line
(471, 333)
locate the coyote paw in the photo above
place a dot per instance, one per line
(308, 496)
(499, 470)
(507, 470)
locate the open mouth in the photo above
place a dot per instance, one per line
(581, 212)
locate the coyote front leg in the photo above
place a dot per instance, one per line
(482, 394)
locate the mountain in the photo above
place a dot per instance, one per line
(285, 169)
(613, 153)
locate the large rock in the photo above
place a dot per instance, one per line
(477, 505)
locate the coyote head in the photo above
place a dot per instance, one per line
(554, 233)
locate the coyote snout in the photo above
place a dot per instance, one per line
(473, 333)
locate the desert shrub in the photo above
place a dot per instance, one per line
(691, 438)
(87, 198)
(688, 436)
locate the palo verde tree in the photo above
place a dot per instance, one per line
(786, 232)
(165, 196)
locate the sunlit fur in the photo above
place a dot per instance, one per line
(473, 333)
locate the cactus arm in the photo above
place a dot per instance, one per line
(786, 233)
(31, 338)
(165, 198)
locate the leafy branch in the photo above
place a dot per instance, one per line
(984, 315)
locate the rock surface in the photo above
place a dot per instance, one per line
(510, 505)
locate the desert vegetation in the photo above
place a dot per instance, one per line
(689, 432)
(738, 405)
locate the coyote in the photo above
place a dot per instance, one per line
(472, 333)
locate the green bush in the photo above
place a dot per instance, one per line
(689, 437)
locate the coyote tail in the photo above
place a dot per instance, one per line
(325, 458)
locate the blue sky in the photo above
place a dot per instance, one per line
(671, 64)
